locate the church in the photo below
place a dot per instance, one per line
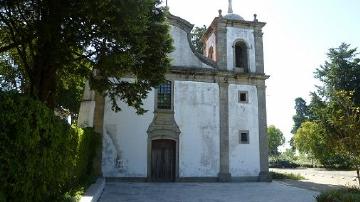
(206, 123)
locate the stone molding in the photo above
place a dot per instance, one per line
(215, 76)
(163, 125)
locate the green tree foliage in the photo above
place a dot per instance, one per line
(276, 139)
(41, 156)
(338, 101)
(340, 72)
(340, 119)
(196, 35)
(302, 114)
(48, 46)
(310, 139)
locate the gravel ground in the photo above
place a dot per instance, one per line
(319, 176)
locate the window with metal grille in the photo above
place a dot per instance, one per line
(164, 96)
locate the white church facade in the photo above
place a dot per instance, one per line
(206, 123)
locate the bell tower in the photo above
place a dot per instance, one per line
(234, 43)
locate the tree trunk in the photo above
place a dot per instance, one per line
(43, 81)
(48, 58)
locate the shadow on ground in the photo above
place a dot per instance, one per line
(309, 185)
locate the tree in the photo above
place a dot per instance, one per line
(276, 139)
(310, 139)
(341, 72)
(340, 119)
(51, 44)
(336, 105)
(302, 114)
(196, 35)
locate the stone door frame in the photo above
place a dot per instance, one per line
(174, 138)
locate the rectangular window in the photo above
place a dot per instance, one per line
(164, 96)
(243, 97)
(244, 137)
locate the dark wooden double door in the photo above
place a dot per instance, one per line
(163, 160)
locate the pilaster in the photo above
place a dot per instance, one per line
(98, 128)
(263, 139)
(224, 174)
(221, 43)
(259, 53)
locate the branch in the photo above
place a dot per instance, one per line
(9, 47)
(81, 56)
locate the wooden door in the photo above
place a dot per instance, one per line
(163, 157)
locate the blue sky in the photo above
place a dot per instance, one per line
(296, 39)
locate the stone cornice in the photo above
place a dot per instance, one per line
(233, 23)
(215, 76)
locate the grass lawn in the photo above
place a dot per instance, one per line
(351, 194)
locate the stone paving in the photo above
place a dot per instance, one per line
(205, 192)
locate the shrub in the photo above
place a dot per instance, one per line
(41, 156)
(291, 176)
(343, 195)
(86, 151)
(280, 162)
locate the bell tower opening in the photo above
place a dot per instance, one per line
(241, 57)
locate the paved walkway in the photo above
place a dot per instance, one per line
(205, 192)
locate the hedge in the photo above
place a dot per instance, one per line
(42, 157)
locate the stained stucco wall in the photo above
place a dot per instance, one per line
(87, 108)
(211, 42)
(182, 54)
(125, 140)
(244, 158)
(197, 115)
(246, 35)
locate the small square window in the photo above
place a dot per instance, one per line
(243, 97)
(244, 137)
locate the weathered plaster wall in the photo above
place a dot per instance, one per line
(246, 35)
(244, 158)
(197, 115)
(211, 42)
(87, 108)
(86, 113)
(125, 140)
(182, 54)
